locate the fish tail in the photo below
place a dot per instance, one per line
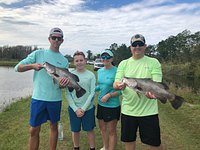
(177, 102)
(80, 92)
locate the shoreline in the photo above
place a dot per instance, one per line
(7, 103)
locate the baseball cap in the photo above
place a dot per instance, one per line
(137, 37)
(108, 52)
(56, 31)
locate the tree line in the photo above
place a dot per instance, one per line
(181, 48)
(15, 52)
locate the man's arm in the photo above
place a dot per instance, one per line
(26, 67)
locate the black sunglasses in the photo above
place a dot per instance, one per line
(55, 37)
(106, 57)
(139, 43)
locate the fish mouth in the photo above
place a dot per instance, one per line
(129, 83)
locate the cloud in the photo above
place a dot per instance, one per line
(89, 29)
(8, 2)
(10, 20)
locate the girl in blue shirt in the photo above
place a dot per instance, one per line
(108, 109)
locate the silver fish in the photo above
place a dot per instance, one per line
(141, 85)
(56, 73)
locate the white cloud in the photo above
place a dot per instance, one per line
(96, 30)
(8, 2)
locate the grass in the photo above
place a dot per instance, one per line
(179, 129)
(8, 62)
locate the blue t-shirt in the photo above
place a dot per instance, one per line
(105, 81)
(44, 87)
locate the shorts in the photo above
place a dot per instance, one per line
(87, 121)
(108, 114)
(149, 129)
(41, 111)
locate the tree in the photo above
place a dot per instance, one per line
(89, 54)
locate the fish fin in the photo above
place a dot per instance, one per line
(70, 89)
(177, 102)
(54, 81)
(80, 92)
(162, 85)
(56, 75)
(165, 86)
(138, 93)
(163, 100)
(75, 77)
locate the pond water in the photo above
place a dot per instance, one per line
(14, 85)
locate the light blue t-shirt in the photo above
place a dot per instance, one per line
(87, 81)
(105, 80)
(44, 87)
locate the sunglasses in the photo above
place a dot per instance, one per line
(106, 57)
(139, 43)
(55, 37)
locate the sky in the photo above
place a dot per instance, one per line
(95, 24)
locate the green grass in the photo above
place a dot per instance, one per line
(179, 129)
(8, 62)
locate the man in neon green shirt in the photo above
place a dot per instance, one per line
(139, 111)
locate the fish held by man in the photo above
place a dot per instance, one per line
(56, 73)
(158, 89)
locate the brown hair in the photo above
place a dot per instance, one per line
(79, 53)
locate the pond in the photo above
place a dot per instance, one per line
(14, 85)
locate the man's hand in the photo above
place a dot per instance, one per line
(119, 85)
(150, 95)
(37, 67)
(63, 82)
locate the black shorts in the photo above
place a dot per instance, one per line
(149, 129)
(108, 114)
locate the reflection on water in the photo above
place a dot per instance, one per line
(14, 85)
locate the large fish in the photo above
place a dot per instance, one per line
(141, 85)
(56, 73)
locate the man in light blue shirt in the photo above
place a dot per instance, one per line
(46, 97)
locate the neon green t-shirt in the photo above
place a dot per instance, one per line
(146, 67)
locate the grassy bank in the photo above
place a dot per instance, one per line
(179, 128)
(8, 62)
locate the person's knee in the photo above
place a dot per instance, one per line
(54, 127)
(102, 127)
(112, 132)
(34, 131)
